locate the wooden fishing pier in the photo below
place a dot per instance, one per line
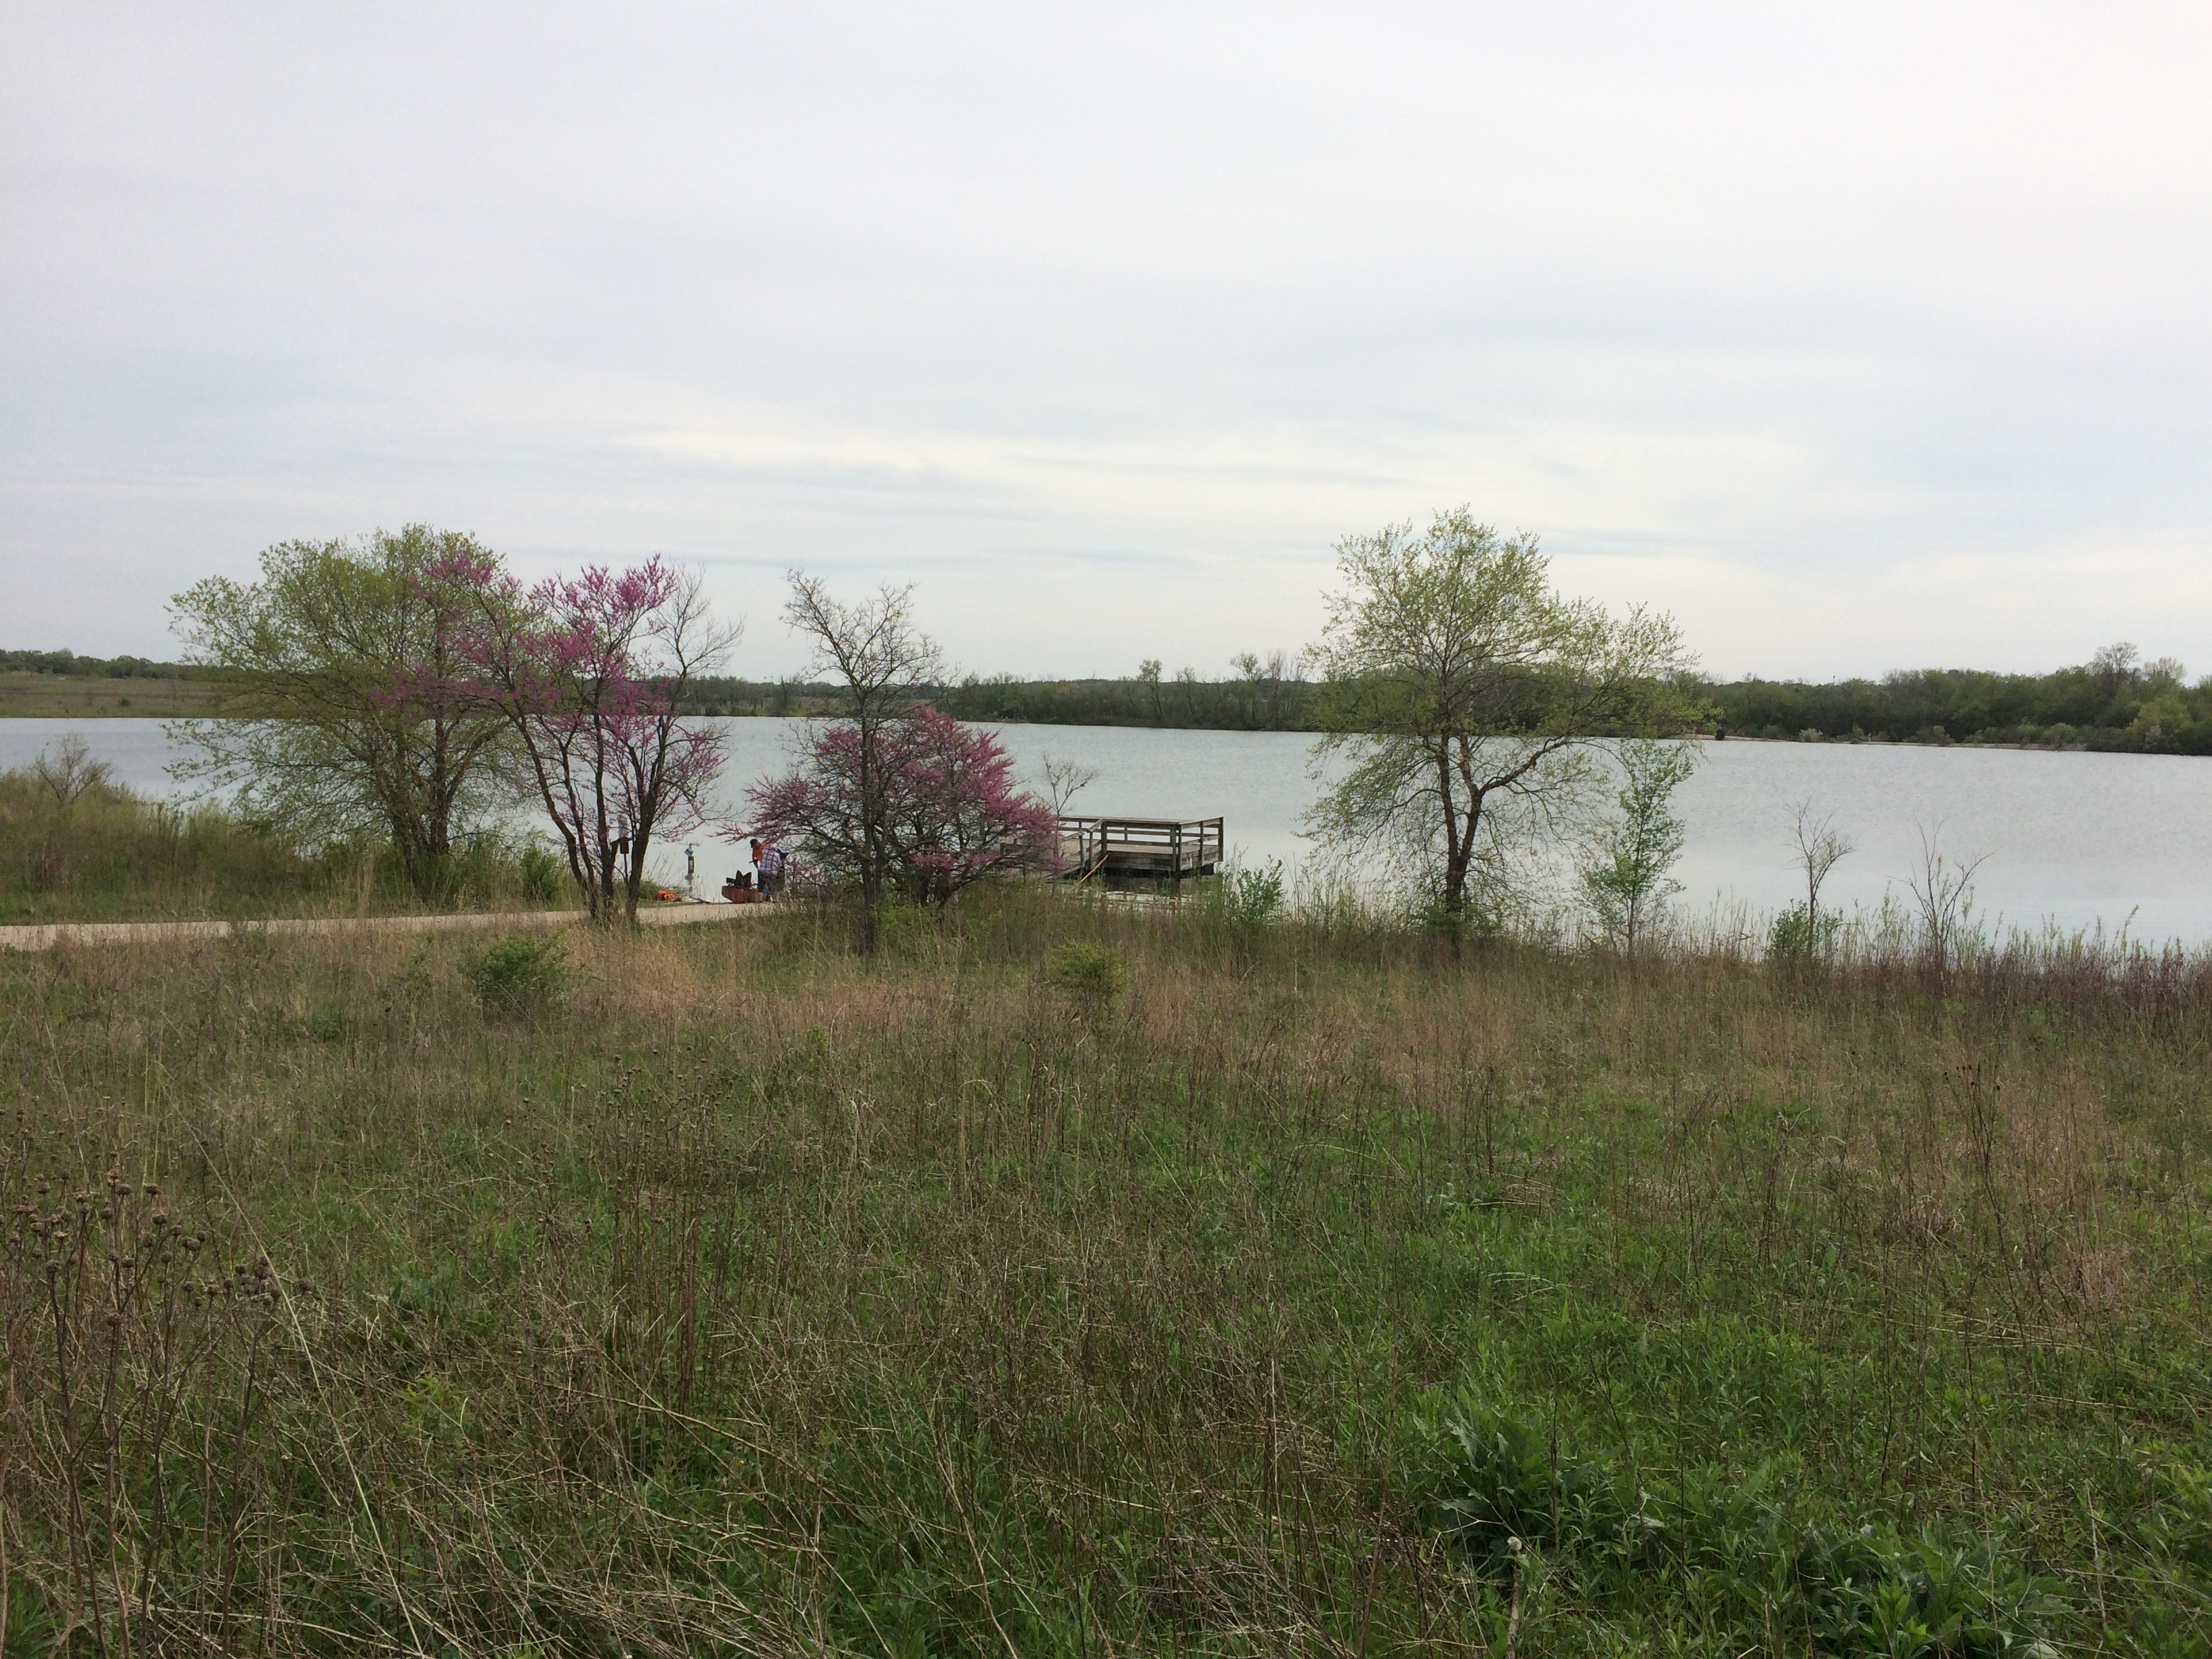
(1117, 850)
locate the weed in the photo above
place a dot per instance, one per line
(1092, 974)
(516, 975)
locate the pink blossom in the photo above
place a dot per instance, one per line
(587, 670)
(946, 812)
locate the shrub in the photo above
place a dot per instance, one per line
(1093, 973)
(1798, 936)
(516, 975)
(1247, 898)
(543, 875)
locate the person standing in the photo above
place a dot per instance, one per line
(769, 862)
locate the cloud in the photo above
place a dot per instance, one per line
(1857, 339)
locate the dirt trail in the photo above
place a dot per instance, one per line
(44, 936)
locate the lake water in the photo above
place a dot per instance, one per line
(2077, 839)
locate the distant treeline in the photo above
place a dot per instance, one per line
(2114, 701)
(1265, 696)
(720, 694)
(113, 668)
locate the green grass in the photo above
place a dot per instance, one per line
(1315, 1293)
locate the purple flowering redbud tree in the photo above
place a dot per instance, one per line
(590, 670)
(932, 800)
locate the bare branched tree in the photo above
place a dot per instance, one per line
(1943, 890)
(1149, 671)
(1820, 847)
(71, 769)
(882, 660)
(2116, 664)
(1064, 780)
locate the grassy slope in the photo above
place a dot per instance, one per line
(759, 1299)
(110, 856)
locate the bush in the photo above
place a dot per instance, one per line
(1254, 898)
(543, 875)
(1509, 1485)
(74, 847)
(1246, 900)
(1798, 936)
(1092, 973)
(516, 975)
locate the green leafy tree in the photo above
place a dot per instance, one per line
(1625, 868)
(336, 713)
(1148, 675)
(1462, 693)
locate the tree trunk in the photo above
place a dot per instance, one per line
(1455, 850)
(872, 843)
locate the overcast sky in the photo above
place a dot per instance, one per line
(1859, 338)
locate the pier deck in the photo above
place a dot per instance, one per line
(1112, 849)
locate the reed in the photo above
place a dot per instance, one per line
(1090, 1278)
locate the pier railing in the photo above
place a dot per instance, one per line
(1140, 849)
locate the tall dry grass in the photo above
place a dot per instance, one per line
(106, 853)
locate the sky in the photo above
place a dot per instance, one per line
(1857, 338)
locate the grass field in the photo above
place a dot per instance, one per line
(77, 697)
(1079, 1281)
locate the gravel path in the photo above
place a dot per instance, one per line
(46, 936)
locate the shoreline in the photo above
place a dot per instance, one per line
(49, 935)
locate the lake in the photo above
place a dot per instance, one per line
(2077, 839)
